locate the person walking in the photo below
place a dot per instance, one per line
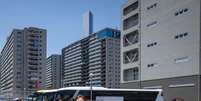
(80, 98)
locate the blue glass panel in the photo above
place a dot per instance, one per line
(108, 33)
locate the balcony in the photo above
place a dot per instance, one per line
(33, 68)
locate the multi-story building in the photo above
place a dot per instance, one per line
(160, 47)
(0, 72)
(23, 62)
(98, 53)
(53, 72)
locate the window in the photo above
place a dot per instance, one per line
(152, 6)
(19, 41)
(18, 86)
(131, 38)
(131, 74)
(19, 59)
(19, 46)
(131, 56)
(18, 73)
(182, 35)
(19, 37)
(130, 22)
(130, 8)
(19, 32)
(181, 11)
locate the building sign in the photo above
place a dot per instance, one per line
(109, 98)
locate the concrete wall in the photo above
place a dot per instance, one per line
(168, 48)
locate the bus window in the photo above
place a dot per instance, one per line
(49, 97)
(85, 93)
(65, 95)
(126, 95)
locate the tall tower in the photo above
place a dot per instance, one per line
(88, 22)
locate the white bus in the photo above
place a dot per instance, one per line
(98, 94)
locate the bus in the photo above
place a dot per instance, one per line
(97, 94)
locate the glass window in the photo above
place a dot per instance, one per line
(131, 74)
(65, 95)
(130, 22)
(126, 95)
(130, 8)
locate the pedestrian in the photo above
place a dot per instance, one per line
(80, 98)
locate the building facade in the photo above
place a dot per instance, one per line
(99, 53)
(160, 47)
(22, 62)
(53, 72)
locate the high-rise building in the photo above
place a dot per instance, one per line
(88, 22)
(23, 62)
(53, 72)
(160, 47)
(0, 72)
(99, 53)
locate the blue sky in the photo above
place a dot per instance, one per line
(61, 18)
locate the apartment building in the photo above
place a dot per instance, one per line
(22, 62)
(98, 53)
(160, 47)
(53, 72)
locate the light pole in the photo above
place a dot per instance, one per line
(91, 77)
(24, 94)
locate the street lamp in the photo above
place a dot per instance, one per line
(91, 77)
(24, 94)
